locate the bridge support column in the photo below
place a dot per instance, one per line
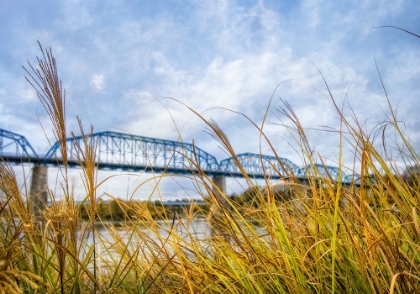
(38, 194)
(219, 187)
(217, 215)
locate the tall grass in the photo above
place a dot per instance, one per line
(327, 238)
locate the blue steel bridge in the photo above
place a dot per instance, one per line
(120, 151)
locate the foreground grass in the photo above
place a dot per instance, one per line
(326, 238)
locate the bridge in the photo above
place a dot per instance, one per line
(120, 151)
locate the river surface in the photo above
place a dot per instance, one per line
(197, 228)
(158, 236)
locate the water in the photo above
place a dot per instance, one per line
(159, 237)
(146, 238)
(159, 229)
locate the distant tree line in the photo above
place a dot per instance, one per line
(132, 210)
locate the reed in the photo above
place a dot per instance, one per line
(324, 237)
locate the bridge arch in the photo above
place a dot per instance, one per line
(15, 145)
(131, 152)
(258, 165)
(325, 171)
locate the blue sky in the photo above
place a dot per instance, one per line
(118, 60)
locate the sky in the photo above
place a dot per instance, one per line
(134, 66)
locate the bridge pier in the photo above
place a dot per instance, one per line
(219, 188)
(218, 206)
(38, 194)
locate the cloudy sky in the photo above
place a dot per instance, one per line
(120, 60)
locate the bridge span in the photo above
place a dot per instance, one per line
(120, 151)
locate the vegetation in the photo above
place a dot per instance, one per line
(118, 210)
(320, 238)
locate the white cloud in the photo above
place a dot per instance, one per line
(311, 10)
(98, 82)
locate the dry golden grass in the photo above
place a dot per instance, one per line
(327, 238)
